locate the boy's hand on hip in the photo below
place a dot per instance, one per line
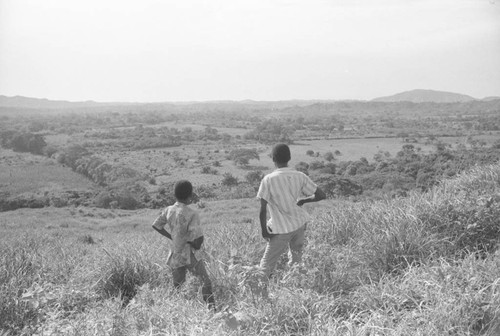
(266, 235)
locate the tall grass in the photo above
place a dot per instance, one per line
(31, 267)
(126, 267)
(427, 264)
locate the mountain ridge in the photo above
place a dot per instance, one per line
(426, 96)
(414, 96)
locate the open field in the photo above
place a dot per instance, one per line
(26, 173)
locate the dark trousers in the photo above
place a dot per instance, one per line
(197, 268)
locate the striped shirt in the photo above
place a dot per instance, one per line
(282, 189)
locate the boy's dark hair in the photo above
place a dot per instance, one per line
(281, 153)
(183, 189)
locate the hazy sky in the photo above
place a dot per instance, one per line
(166, 50)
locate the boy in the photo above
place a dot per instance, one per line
(181, 224)
(282, 190)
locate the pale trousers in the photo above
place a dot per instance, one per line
(278, 244)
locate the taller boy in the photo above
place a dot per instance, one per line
(283, 191)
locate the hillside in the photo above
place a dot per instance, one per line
(423, 265)
(423, 96)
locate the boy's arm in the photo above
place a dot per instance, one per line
(159, 226)
(318, 196)
(263, 219)
(163, 232)
(195, 233)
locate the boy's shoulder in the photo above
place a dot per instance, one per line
(281, 172)
(179, 209)
(185, 209)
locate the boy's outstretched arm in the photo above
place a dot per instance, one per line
(263, 219)
(318, 196)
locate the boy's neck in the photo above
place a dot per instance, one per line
(185, 202)
(281, 165)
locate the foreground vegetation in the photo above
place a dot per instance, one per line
(426, 264)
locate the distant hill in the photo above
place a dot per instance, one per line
(424, 96)
(490, 98)
(42, 103)
(20, 102)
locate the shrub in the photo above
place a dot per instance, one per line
(209, 170)
(254, 177)
(50, 150)
(302, 167)
(205, 192)
(315, 165)
(310, 152)
(229, 180)
(103, 200)
(336, 187)
(28, 142)
(58, 202)
(126, 200)
(87, 239)
(240, 191)
(71, 154)
(117, 198)
(329, 156)
(329, 168)
(122, 271)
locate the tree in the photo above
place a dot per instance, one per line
(336, 187)
(71, 154)
(272, 130)
(242, 156)
(28, 142)
(329, 156)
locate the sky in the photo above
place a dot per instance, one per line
(199, 50)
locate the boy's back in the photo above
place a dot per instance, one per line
(183, 223)
(281, 189)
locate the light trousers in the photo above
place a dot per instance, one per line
(278, 244)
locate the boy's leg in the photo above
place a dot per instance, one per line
(197, 267)
(275, 247)
(296, 245)
(179, 276)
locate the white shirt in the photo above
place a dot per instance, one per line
(282, 189)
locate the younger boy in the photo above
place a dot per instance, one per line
(181, 224)
(283, 191)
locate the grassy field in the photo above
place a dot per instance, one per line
(395, 267)
(27, 173)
